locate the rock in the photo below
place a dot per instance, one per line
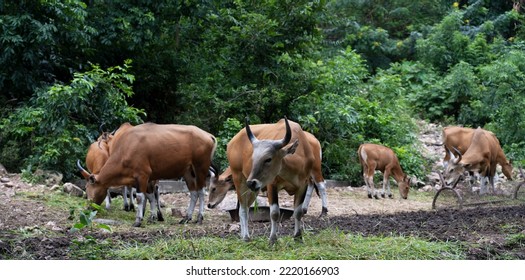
(50, 177)
(3, 171)
(73, 190)
(4, 180)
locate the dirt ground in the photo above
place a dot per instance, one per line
(484, 227)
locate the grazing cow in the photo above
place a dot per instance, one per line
(150, 152)
(481, 157)
(220, 185)
(260, 156)
(460, 138)
(96, 157)
(377, 157)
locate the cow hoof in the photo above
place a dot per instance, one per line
(324, 212)
(160, 217)
(184, 221)
(272, 240)
(383, 195)
(305, 210)
(199, 220)
(369, 195)
(246, 239)
(391, 196)
(376, 196)
(137, 224)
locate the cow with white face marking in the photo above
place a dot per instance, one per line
(220, 185)
(276, 156)
(150, 152)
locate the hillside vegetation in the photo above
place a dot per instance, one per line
(349, 71)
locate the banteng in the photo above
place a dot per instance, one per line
(376, 157)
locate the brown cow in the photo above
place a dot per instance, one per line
(459, 138)
(150, 152)
(377, 157)
(270, 162)
(96, 157)
(219, 186)
(482, 156)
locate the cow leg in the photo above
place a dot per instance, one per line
(191, 207)
(152, 206)
(324, 200)
(308, 196)
(108, 200)
(160, 218)
(386, 183)
(200, 217)
(298, 214)
(245, 200)
(483, 187)
(275, 212)
(141, 200)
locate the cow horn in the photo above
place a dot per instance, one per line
(459, 153)
(249, 131)
(83, 171)
(288, 135)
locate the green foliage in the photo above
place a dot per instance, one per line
(41, 41)
(58, 124)
(343, 112)
(86, 217)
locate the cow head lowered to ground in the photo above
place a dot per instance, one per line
(151, 152)
(374, 157)
(273, 155)
(481, 157)
(457, 140)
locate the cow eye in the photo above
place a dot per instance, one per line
(268, 160)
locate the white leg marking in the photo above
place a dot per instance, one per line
(243, 218)
(275, 213)
(322, 192)
(308, 196)
(191, 207)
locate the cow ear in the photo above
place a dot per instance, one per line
(291, 149)
(92, 179)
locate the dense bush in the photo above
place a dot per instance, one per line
(55, 128)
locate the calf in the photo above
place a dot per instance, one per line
(376, 157)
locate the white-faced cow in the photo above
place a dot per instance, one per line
(151, 151)
(277, 156)
(377, 157)
(456, 141)
(481, 157)
(220, 185)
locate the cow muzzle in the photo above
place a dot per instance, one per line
(254, 185)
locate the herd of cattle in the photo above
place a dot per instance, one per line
(263, 157)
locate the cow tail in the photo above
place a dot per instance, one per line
(316, 187)
(213, 167)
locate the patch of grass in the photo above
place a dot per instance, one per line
(329, 244)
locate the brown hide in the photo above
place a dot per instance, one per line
(460, 138)
(295, 167)
(151, 152)
(224, 182)
(480, 157)
(377, 157)
(316, 172)
(288, 169)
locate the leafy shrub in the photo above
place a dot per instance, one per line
(60, 122)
